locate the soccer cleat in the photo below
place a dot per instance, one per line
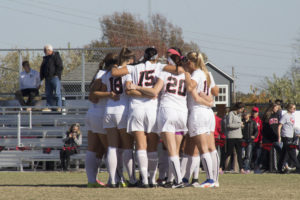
(196, 184)
(144, 186)
(153, 185)
(94, 185)
(178, 185)
(168, 185)
(122, 184)
(132, 184)
(209, 183)
(217, 184)
(112, 185)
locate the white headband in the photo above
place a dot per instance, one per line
(154, 57)
(171, 61)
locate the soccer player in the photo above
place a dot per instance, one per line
(97, 141)
(201, 121)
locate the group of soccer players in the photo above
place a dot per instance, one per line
(134, 106)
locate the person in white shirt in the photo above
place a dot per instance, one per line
(115, 123)
(29, 85)
(97, 140)
(201, 121)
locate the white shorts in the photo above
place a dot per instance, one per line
(142, 119)
(94, 123)
(118, 121)
(171, 120)
(200, 121)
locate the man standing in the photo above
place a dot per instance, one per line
(51, 70)
(29, 85)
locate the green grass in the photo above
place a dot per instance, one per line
(71, 185)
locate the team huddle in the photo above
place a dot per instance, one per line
(137, 106)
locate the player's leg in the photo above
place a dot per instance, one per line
(152, 142)
(141, 152)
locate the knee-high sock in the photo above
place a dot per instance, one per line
(192, 165)
(207, 165)
(197, 168)
(175, 166)
(142, 159)
(129, 164)
(183, 164)
(216, 164)
(163, 164)
(112, 162)
(120, 176)
(91, 166)
(152, 166)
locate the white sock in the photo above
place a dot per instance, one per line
(197, 168)
(163, 165)
(112, 162)
(142, 159)
(91, 166)
(152, 166)
(193, 161)
(216, 164)
(184, 161)
(129, 164)
(207, 165)
(120, 176)
(175, 165)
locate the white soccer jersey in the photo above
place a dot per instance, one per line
(116, 84)
(145, 75)
(173, 94)
(98, 108)
(200, 78)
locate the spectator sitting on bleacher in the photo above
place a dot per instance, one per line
(72, 140)
(29, 85)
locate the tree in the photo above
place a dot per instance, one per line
(125, 29)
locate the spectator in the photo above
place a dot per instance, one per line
(219, 139)
(234, 131)
(270, 121)
(29, 85)
(250, 132)
(72, 140)
(51, 70)
(286, 135)
(258, 140)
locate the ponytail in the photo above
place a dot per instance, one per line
(197, 58)
(125, 55)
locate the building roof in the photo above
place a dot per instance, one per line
(76, 73)
(219, 70)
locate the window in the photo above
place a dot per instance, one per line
(222, 98)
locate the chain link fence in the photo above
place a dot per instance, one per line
(80, 65)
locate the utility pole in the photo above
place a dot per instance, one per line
(149, 12)
(233, 86)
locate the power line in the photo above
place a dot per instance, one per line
(52, 10)
(241, 46)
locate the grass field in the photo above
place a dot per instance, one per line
(72, 185)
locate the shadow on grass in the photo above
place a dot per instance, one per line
(44, 185)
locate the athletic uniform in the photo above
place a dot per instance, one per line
(142, 110)
(173, 112)
(201, 118)
(95, 113)
(116, 111)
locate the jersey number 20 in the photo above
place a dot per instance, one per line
(174, 86)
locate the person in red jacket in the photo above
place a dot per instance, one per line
(220, 141)
(258, 140)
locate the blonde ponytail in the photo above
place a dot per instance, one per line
(197, 58)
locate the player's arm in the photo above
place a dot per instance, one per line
(215, 91)
(116, 72)
(99, 90)
(173, 69)
(133, 93)
(201, 100)
(153, 92)
(190, 83)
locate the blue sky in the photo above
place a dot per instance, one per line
(254, 36)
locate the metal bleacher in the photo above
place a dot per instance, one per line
(24, 135)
